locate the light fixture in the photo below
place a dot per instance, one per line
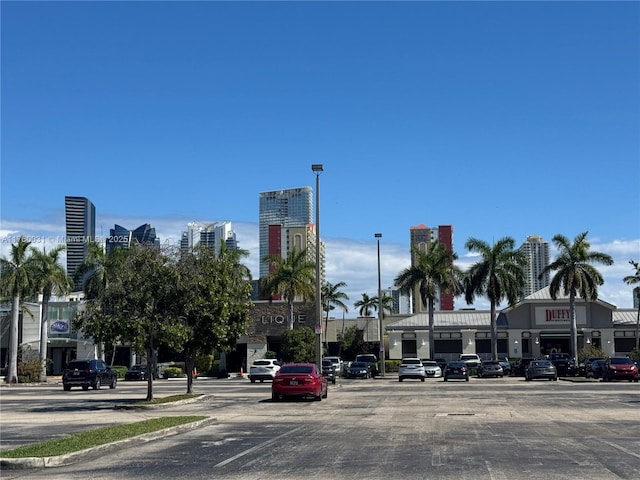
(378, 236)
(537, 341)
(588, 341)
(470, 342)
(395, 343)
(317, 168)
(515, 341)
(422, 342)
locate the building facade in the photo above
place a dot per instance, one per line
(421, 237)
(536, 250)
(120, 237)
(80, 220)
(210, 235)
(281, 208)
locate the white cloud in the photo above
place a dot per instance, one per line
(353, 262)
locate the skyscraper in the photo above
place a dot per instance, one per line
(121, 237)
(537, 251)
(281, 208)
(210, 235)
(421, 237)
(80, 219)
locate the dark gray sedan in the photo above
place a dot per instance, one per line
(490, 368)
(359, 370)
(541, 369)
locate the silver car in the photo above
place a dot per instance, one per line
(411, 368)
(432, 369)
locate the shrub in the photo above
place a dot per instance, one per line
(271, 354)
(590, 351)
(203, 364)
(120, 370)
(173, 372)
(391, 365)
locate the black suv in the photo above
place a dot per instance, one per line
(371, 360)
(88, 373)
(564, 364)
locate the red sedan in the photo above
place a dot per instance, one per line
(299, 380)
(620, 368)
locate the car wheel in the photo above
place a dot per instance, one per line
(96, 385)
(66, 388)
(114, 383)
(253, 380)
(326, 393)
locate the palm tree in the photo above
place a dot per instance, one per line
(94, 270)
(16, 282)
(49, 278)
(332, 297)
(631, 280)
(432, 271)
(366, 304)
(290, 277)
(575, 275)
(499, 275)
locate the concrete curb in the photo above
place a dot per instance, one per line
(71, 458)
(156, 406)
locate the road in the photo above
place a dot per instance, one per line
(366, 429)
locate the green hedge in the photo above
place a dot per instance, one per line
(120, 370)
(391, 366)
(173, 372)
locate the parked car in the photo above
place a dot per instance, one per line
(595, 368)
(411, 368)
(620, 368)
(541, 369)
(564, 364)
(506, 366)
(299, 380)
(136, 372)
(263, 369)
(371, 359)
(584, 364)
(471, 359)
(442, 363)
(490, 368)
(88, 373)
(329, 370)
(432, 369)
(457, 369)
(359, 370)
(337, 363)
(521, 367)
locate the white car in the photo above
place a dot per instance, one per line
(263, 369)
(432, 369)
(337, 364)
(411, 368)
(471, 359)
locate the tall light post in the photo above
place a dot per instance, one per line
(317, 169)
(380, 312)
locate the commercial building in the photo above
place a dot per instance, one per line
(80, 219)
(210, 235)
(121, 237)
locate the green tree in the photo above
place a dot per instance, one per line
(499, 275)
(50, 278)
(632, 280)
(291, 277)
(433, 271)
(366, 304)
(16, 282)
(137, 304)
(213, 302)
(575, 275)
(332, 297)
(351, 342)
(298, 345)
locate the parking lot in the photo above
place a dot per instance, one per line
(366, 429)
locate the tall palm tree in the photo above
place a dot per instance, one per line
(16, 282)
(575, 275)
(332, 297)
(290, 277)
(94, 271)
(432, 271)
(499, 275)
(366, 304)
(49, 278)
(631, 280)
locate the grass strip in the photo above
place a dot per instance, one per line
(171, 398)
(94, 438)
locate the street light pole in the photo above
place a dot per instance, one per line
(317, 168)
(380, 312)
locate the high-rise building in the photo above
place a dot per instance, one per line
(210, 235)
(80, 220)
(421, 238)
(121, 237)
(401, 302)
(282, 208)
(536, 250)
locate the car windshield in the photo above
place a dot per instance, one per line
(262, 362)
(358, 365)
(138, 367)
(620, 361)
(429, 363)
(296, 369)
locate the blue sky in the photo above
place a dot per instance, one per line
(499, 118)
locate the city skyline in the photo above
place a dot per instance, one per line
(499, 118)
